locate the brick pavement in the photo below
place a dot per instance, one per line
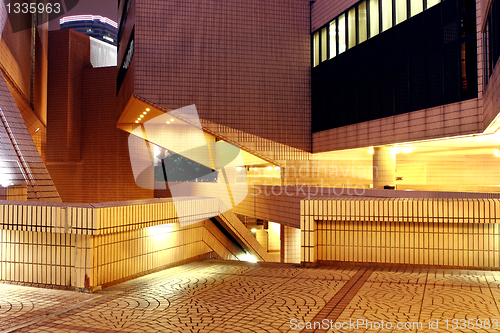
(225, 296)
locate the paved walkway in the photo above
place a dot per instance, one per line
(222, 296)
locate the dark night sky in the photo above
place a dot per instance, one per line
(106, 8)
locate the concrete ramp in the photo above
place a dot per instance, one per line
(242, 235)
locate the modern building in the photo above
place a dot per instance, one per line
(99, 27)
(368, 133)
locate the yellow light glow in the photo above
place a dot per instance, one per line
(406, 150)
(277, 168)
(148, 109)
(172, 119)
(253, 230)
(395, 150)
(371, 150)
(248, 257)
(160, 229)
(238, 168)
(137, 121)
(142, 116)
(254, 169)
(37, 130)
(496, 153)
(269, 168)
(144, 113)
(168, 122)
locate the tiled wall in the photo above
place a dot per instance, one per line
(448, 244)
(245, 64)
(69, 53)
(85, 262)
(23, 166)
(322, 11)
(492, 98)
(17, 193)
(87, 155)
(15, 65)
(444, 232)
(461, 170)
(120, 255)
(85, 246)
(37, 257)
(291, 244)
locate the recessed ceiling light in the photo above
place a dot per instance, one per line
(144, 113)
(136, 121)
(171, 119)
(168, 122)
(142, 116)
(148, 109)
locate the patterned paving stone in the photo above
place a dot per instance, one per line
(21, 304)
(220, 296)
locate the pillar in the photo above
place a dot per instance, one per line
(384, 167)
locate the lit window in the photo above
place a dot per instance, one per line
(316, 49)
(342, 41)
(386, 14)
(400, 11)
(416, 7)
(431, 3)
(374, 22)
(352, 27)
(362, 35)
(333, 38)
(324, 49)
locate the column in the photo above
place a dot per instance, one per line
(384, 167)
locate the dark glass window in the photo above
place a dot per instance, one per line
(425, 61)
(491, 39)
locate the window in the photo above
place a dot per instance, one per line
(324, 49)
(374, 23)
(333, 38)
(342, 41)
(386, 14)
(367, 19)
(362, 31)
(351, 29)
(491, 39)
(316, 49)
(416, 7)
(400, 10)
(431, 3)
